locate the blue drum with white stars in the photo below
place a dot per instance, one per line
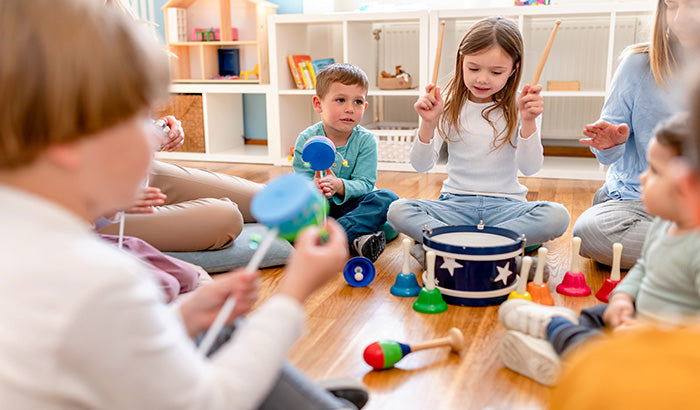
(474, 265)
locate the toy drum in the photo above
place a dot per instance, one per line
(319, 153)
(474, 265)
(289, 203)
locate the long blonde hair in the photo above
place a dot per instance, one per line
(662, 49)
(484, 34)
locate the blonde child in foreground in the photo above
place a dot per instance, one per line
(486, 143)
(83, 324)
(663, 287)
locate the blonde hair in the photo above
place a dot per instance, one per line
(662, 48)
(346, 74)
(70, 68)
(484, 34)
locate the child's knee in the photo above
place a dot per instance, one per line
(559, 218)
(224, 221)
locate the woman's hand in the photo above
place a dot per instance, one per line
(147, 198)
(176, 136)
(603, 135)
(200, 310)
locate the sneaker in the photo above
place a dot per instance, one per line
(370, 246)
(418, 253)
(532, 357)
(530, 317)
(347, 390)
(533, 269)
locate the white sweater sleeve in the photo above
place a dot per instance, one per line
(529, 153)
(156, 365)
(424, 156)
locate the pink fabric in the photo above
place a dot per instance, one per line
(174, 275)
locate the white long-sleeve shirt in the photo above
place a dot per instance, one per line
(82, 325)
(473, 165)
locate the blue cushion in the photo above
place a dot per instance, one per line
(239, 253)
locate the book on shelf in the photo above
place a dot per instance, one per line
(295, 72)
(320, 64)
(300, 71)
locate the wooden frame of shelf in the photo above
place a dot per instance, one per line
(206, 51)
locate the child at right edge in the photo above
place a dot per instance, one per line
(486, 143)
(663, 287)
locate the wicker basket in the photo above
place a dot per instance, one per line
(394, 140)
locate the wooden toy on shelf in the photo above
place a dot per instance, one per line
(537, 288)
(384, 354)
(610, 283)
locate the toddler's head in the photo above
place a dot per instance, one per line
(659, 190)
(346, 74)
(70, 69)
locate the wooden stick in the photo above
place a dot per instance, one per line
(575, 248)
(436, 66)
(455, 339)
(545, 53)
(430, 265)
(617, 254)
(406, 253)
(230, 303)
(541, 261)
(524, 272)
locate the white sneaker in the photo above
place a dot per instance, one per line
(532, 357)
(530, 317)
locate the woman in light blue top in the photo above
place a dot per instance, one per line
(639, 99)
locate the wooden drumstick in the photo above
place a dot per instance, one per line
(436, 67)
(545, 53)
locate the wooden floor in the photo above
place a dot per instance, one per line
(343, 320)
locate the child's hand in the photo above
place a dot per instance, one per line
(201, 308)
(603, 135)
(530, 102)
(620, 310)
(430, 106)
(313, 262)
(317, 180)
(331, 184)
(147, 198)
(176, 136)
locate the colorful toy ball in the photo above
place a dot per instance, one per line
(384, 354)
(289, 203)
(319, 153)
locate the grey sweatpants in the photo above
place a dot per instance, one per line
(609, 221)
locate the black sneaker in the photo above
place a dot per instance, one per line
(347, 390)
(370, 246)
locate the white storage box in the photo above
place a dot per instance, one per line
(394, 140)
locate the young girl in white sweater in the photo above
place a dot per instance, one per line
(486, 143)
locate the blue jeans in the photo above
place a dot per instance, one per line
(365, 214)
(539, 221)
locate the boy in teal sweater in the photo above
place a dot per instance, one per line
(341, 99)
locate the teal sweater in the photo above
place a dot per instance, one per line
(360, 175)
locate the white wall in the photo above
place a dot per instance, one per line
(328, 6)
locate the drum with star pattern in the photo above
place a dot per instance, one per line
(474, 265)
